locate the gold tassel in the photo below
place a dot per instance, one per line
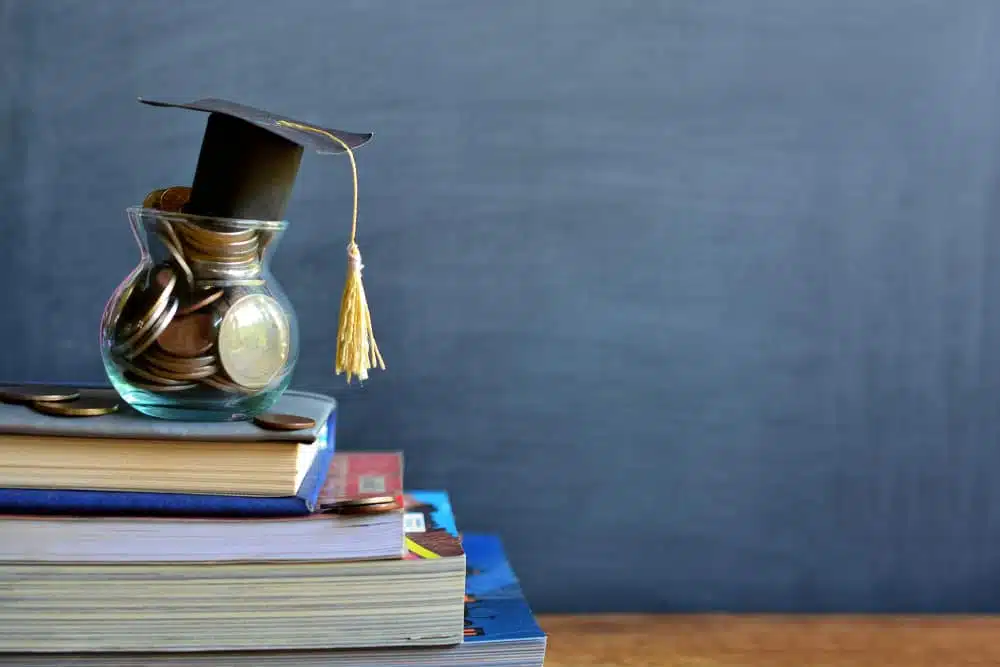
(357, 351)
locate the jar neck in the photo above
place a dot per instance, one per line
(204, 250)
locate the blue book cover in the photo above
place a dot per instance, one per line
(75, 501)
(495, 606)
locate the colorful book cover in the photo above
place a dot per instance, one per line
(430, 525)
(363, 474)
(495, 606)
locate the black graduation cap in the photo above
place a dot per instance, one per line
(250, 157)
(246, 169)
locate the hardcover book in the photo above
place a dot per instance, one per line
(57, 538)
(119, 463)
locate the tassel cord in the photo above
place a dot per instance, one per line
(357, 351)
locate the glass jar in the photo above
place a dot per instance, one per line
(200, 330)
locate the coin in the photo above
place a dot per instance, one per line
(167, 376)
(211, 269)
(199, 301)
(154, 331)
(254, 340)
(37, 392)
(178, 364)
(139, 384)
(281, 422)
(370, 505)
(82, 407)
(173, 199)
(152, 200)
(200, 234)
(222, 247)
(188, 336)
(144, 308)
(152, 377)
(221, 383)
(174, 248)
(232, 282)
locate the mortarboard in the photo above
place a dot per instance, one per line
(246, 169)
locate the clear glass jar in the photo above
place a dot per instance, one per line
(200, 330)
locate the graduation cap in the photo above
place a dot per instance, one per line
(246, 169)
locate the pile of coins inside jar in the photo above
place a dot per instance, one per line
(201, 317)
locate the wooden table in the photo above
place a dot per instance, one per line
(770, 641)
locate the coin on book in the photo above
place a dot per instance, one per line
(254, 341)
(82, 407)
(281, 422)
(36, 392)
(363, 505)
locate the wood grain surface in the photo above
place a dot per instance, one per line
(770, 641)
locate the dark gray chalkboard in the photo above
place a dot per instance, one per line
(697, 302)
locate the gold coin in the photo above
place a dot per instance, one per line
(152, 200)
(37, 392)
(281, 422)
(82, 407)
(254, 340)
(173, 199)
(154, 331)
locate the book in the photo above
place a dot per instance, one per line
(165, 539)
(227, 442)
(500, 630)
(409, 602)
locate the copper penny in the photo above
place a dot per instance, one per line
(173, 199)
(155, 331)
(176, 253)
(201, 300)
(372, 505)
(163, 374)
(30, 393)
(273, 421)
(218, 381)
(147, 386)
(152, 200)
(168, 362)
(188, 336)
(83, 407)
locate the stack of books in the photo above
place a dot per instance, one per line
(127, 540)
